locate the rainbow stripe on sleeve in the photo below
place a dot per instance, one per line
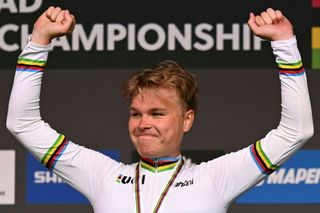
(291, 69)
(54, 152)
(261, 159)
(29, 65)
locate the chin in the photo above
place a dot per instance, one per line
(148, 154)
(147, 149)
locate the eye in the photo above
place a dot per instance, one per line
(158, 114)
(135, 114)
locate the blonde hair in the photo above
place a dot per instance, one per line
(167, 74)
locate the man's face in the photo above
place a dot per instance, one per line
(157, 123)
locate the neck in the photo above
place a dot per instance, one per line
(162, 159)
(159, 164)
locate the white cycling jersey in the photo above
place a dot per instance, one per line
(110, 186)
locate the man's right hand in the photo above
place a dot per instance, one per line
(54, 22)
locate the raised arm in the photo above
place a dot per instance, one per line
(296, 125)
(24, 121)
(236, 172)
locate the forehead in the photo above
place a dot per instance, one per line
(158, 97)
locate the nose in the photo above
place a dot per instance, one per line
(145, 122)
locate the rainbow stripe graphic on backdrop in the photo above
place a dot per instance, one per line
(315, 40)
(316, 3)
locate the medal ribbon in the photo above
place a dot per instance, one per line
(163, 194)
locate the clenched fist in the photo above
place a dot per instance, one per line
(54, 22)
(271, 25)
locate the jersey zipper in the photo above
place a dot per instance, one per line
(156, 161)
(154, 192)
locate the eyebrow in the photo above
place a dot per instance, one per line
(149, 110)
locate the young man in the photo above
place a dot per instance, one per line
(163, 102)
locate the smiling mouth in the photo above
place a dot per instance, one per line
(146, 135)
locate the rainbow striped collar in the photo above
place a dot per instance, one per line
(159, 164)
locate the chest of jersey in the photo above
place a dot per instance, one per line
(189, 193)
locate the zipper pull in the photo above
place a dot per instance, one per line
(156, 164)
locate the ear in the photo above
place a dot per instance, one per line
(188, 120)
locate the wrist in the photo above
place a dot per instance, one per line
(40, 47)
(286, 51)
(37, 38)
(283, 37)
